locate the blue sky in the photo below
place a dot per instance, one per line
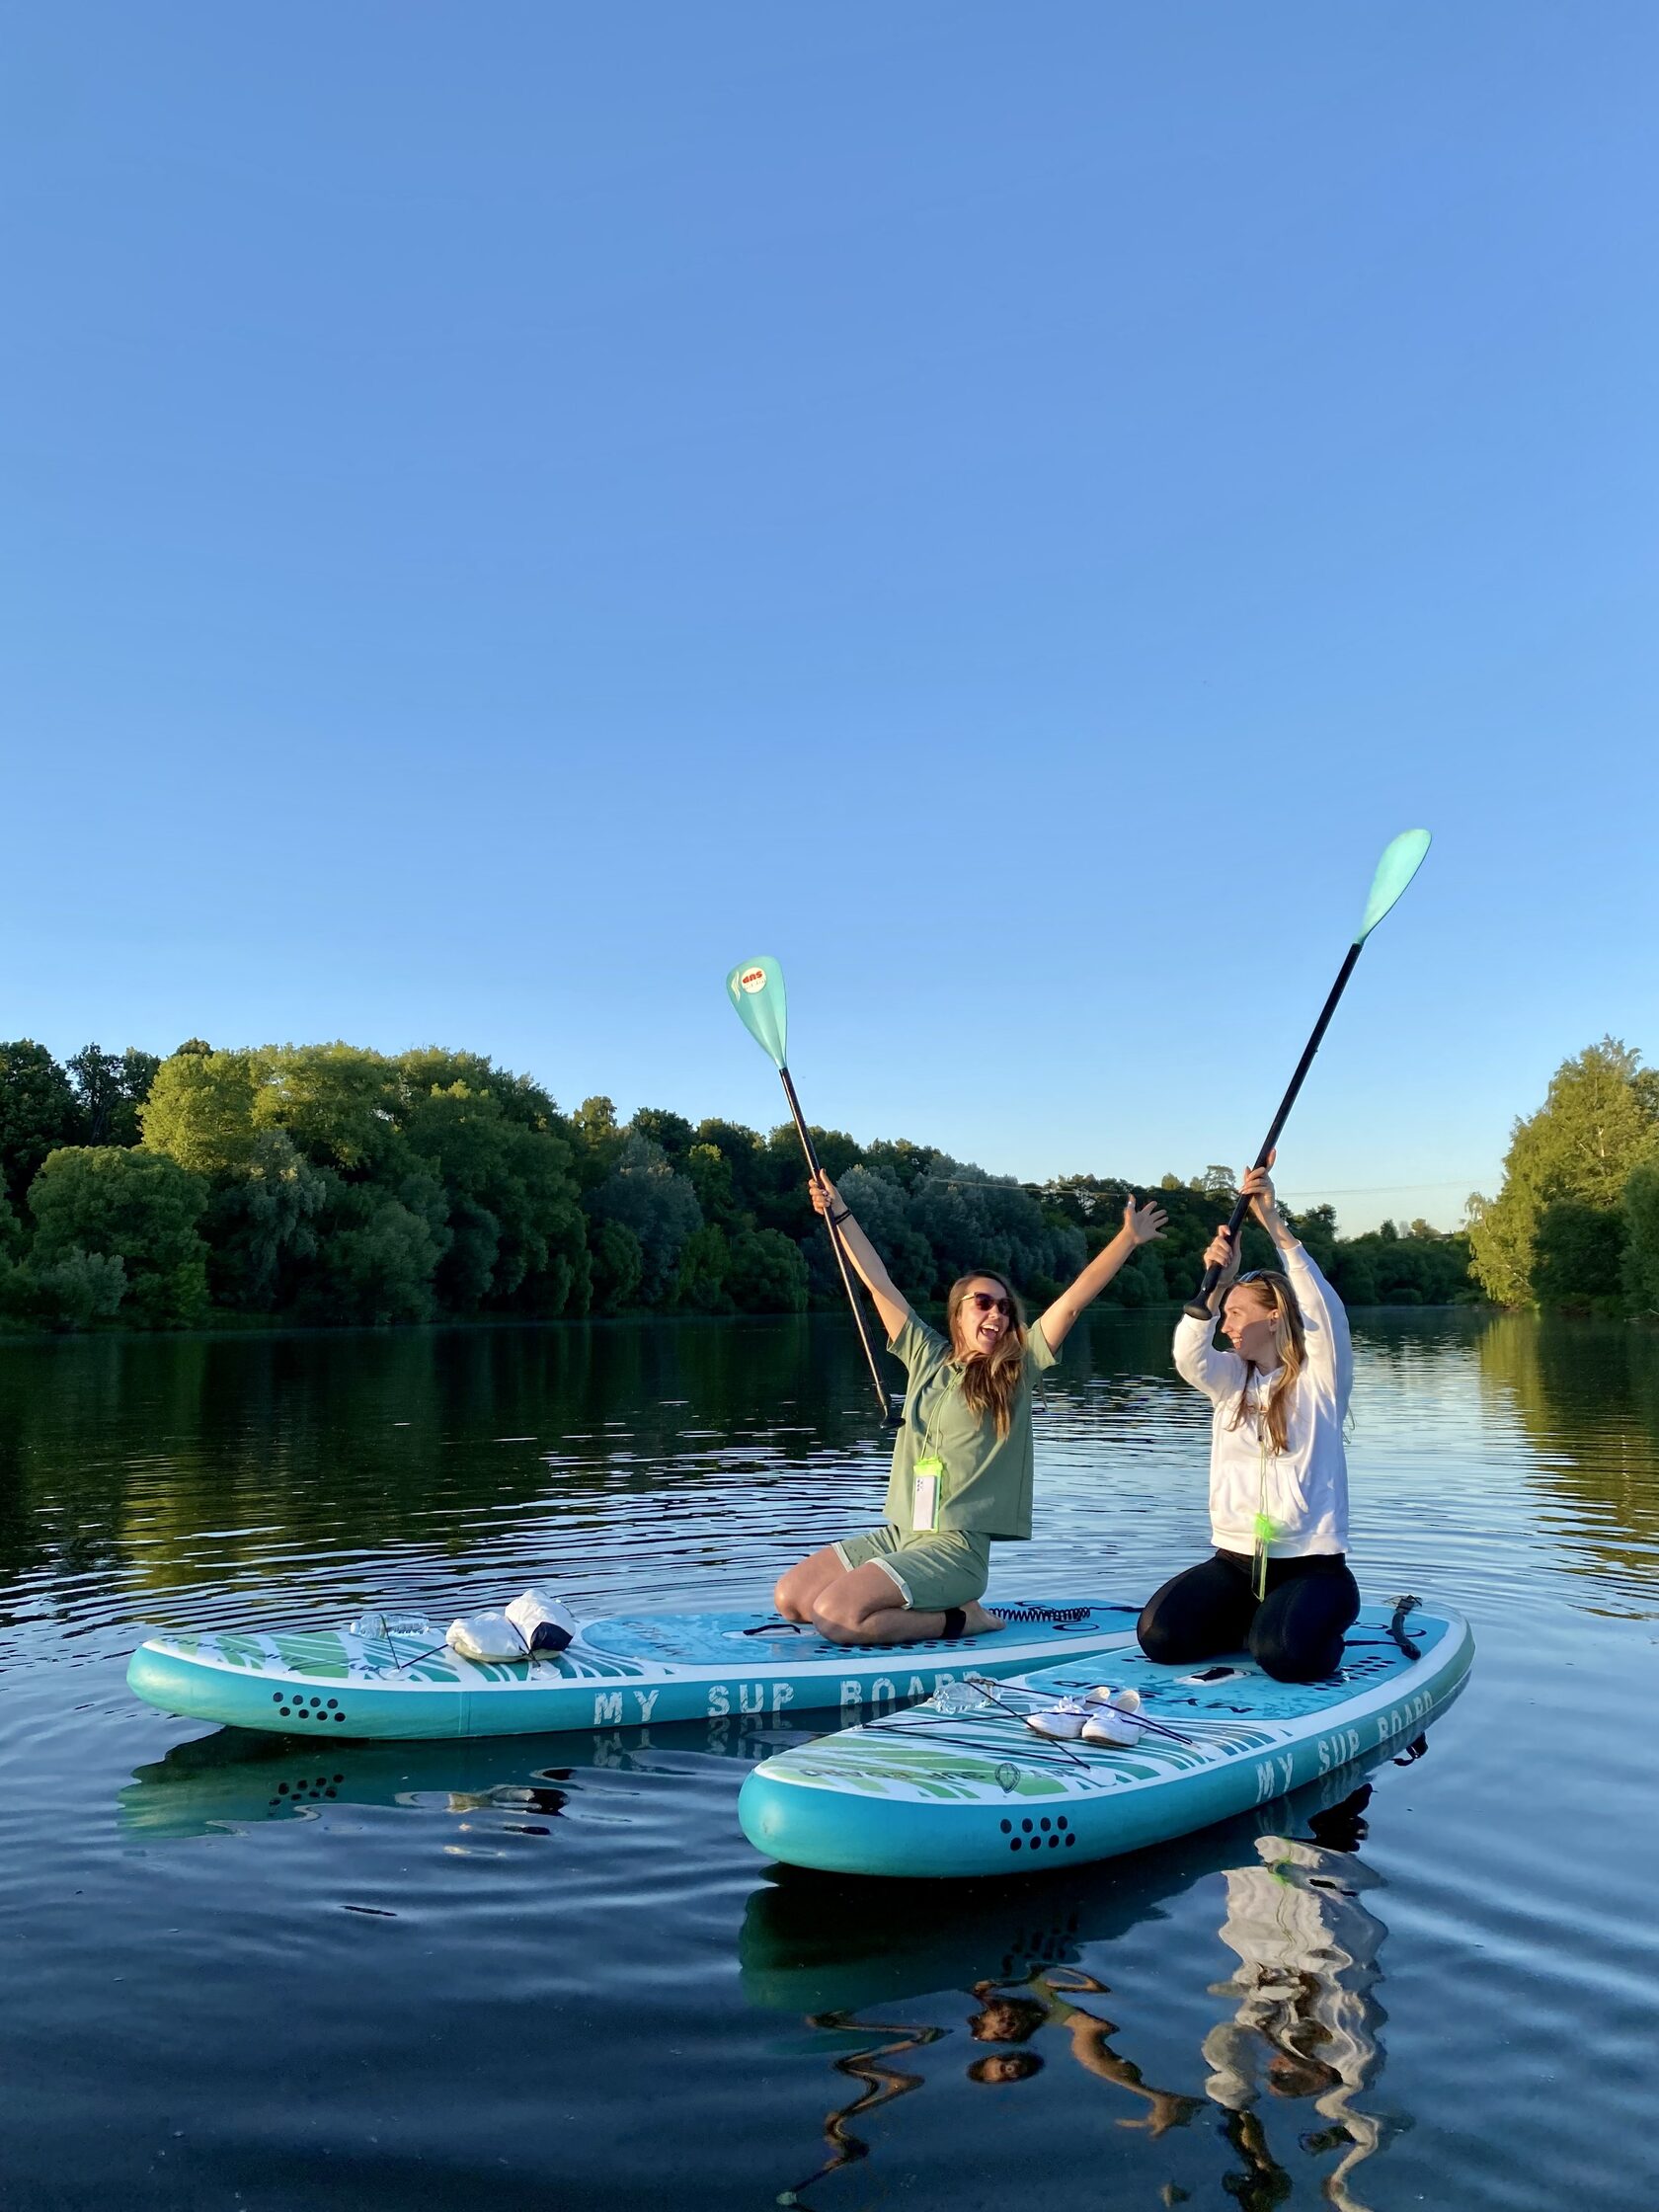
(511, 511)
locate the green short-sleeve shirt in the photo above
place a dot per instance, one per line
(986, 1482)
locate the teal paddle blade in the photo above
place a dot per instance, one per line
(1400, 862)
(757, 989)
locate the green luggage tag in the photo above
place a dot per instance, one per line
(1266, 1529)
(925, 1495)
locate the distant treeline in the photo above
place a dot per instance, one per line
(327, 1185)
(1576, 1223)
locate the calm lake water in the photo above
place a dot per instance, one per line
(551, 1972)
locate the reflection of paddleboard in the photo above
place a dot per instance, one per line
(236, 1778)
(622, 1671)
(935, 1792)
(832, 1943)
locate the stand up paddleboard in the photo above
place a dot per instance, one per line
(404, 1681)
(937, 1792)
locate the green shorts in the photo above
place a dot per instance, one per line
(950, 1567)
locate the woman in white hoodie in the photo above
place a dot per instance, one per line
(1278, 1584)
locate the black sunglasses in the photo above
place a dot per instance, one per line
(984, 1303)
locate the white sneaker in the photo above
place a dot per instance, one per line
(1065, 1722)
(1126, 1701)
(1109, 1724)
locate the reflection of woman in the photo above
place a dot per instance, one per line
(1002, 2018)
(1305, 2020)
(1278, 1581)
(882, 2084)
(962, 1464)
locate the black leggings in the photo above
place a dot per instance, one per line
(1294, 1633)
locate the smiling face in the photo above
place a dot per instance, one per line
(1249, 1321)
(981, 1317)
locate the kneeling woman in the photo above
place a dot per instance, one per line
(962, 1466)
(1278, 1584)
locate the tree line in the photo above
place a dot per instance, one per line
(330, 1185)
(1575, 1224)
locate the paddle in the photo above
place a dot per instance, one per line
(755, 988)
(1400, 862)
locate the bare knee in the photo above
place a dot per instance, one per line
(797, 1589)
(841, 1616)
(787, 1599)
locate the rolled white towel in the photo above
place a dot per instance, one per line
(546, 1623)
(485, 1635)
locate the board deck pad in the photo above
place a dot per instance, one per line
(926, 1792)
(624, 1670)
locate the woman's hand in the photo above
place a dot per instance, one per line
(1257, 1187)
(1142, 1224)
(825, 1197)
(1219, 1253)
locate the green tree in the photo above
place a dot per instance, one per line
(37, 1112)
(338, 1103)
(709, 1172)
(767, 1274)
(659, 1127)
(618, 1265)
(199, 1111)
(516, 1228)
(645, 1195)
(68, 1293)
(1425, 1267)
(1597, 1121)
(139, 1207)
(700, 1284)
(109, 1090)
(261, 1224)
(433, 1069)
(377, 1260)
(1641, 1238)
(598, 1142)
(1578, 1252)
(744, 1156)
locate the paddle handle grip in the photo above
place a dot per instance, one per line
(884, 1397)
(1196, 1308)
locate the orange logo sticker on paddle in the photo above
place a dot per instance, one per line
(754, 979)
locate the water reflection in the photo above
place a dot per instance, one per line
(1289, 2064)
(238, 1778)
(1588, 1398)
(1307, 2022)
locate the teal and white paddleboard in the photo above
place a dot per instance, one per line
(621, 1671)
(931, 1792)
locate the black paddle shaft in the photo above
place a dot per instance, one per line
(884, 1396)
(1198, 1308)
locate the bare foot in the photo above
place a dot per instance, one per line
(976, 1621)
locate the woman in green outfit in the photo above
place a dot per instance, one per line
(962, 1466)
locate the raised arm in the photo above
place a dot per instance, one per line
(1330, 1352)
(890, 1303)
(1197, 1361)
(1141, 1225)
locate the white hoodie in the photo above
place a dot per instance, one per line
(1303, 1489)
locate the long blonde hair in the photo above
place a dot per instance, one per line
(990, 1383)
(1292, 1342)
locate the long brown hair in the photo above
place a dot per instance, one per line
(989, 1384)
(1292, 1342)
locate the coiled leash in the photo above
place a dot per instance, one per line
(1396, 1628)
